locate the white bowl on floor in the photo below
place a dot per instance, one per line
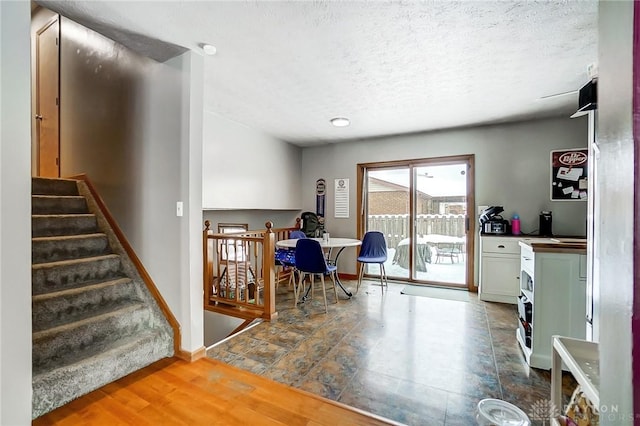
(495, 412)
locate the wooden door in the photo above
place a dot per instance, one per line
(48, 99)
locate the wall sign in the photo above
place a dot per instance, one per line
(321, 189)
(341, 203)
(569, 180)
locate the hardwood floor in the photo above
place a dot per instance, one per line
(205, 392)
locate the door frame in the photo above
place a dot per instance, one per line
(469, 159)
(38, 111)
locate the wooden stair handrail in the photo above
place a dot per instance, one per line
(267, 238)
(146, 278)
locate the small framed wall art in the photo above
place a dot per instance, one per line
(569, 174)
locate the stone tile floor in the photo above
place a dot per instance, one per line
(416, 360)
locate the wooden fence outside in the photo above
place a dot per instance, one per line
(396, 227)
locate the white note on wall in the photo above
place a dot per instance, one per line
(341, 202)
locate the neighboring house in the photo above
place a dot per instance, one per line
(171, 150)
(390, 198)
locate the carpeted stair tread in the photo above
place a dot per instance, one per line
(60, 275)
(67, 343)
(56, 387)
(53, 186)
(51, 225)
(58, 204)
(65, 247)
(75, 304)
(93, 318)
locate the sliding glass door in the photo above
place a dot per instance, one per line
(388, 207)
(422, 207)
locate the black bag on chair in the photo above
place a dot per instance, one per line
(310, 223)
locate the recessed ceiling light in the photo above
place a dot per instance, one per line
(209, 49)
(340, 122)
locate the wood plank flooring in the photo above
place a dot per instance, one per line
(205, 392)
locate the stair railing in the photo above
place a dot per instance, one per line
(240, 272)
(137, 263)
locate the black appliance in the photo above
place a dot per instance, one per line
(492, 223)
(587, 98)
(545, 228)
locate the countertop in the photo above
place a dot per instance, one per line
(556, 245)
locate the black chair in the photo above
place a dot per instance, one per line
(373, 250)
(310, 260)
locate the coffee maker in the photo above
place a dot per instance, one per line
(545, 229)
(492, 223)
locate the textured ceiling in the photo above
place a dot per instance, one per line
(287, 67)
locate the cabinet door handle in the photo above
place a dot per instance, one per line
(500, 246)
(517, 278)
(526, 258)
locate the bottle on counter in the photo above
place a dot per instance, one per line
(515, 225)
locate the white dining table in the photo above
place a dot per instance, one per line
(329, 244)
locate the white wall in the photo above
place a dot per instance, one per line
(511, 162)
(134, 127)
(15, 215)
(218, 327)
(190, 247)
(616, 214)
(256, 219)
(246, 169)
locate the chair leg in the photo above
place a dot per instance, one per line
(335, 292)
(360, 273)
(296, 289)
(295, 294)
(384, 273)
(313, 276)
(324, 294)
(292, 277)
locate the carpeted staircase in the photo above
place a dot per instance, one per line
(94, 320)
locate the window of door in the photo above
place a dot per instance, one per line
(422, 207)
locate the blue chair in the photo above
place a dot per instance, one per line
(296, 235)
(310, 260)
(373, 250)
(286, 259)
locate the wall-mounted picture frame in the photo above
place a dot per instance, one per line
(569, 174)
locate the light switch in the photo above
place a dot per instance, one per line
(179, 208)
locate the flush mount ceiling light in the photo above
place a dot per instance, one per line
(209, 49)
(340, 122)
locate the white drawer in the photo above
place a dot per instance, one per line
(527, 261)
(500, 245)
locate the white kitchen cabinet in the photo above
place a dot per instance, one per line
(553, 295)
(499, 269)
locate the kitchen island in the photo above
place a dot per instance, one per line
(552, 300)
